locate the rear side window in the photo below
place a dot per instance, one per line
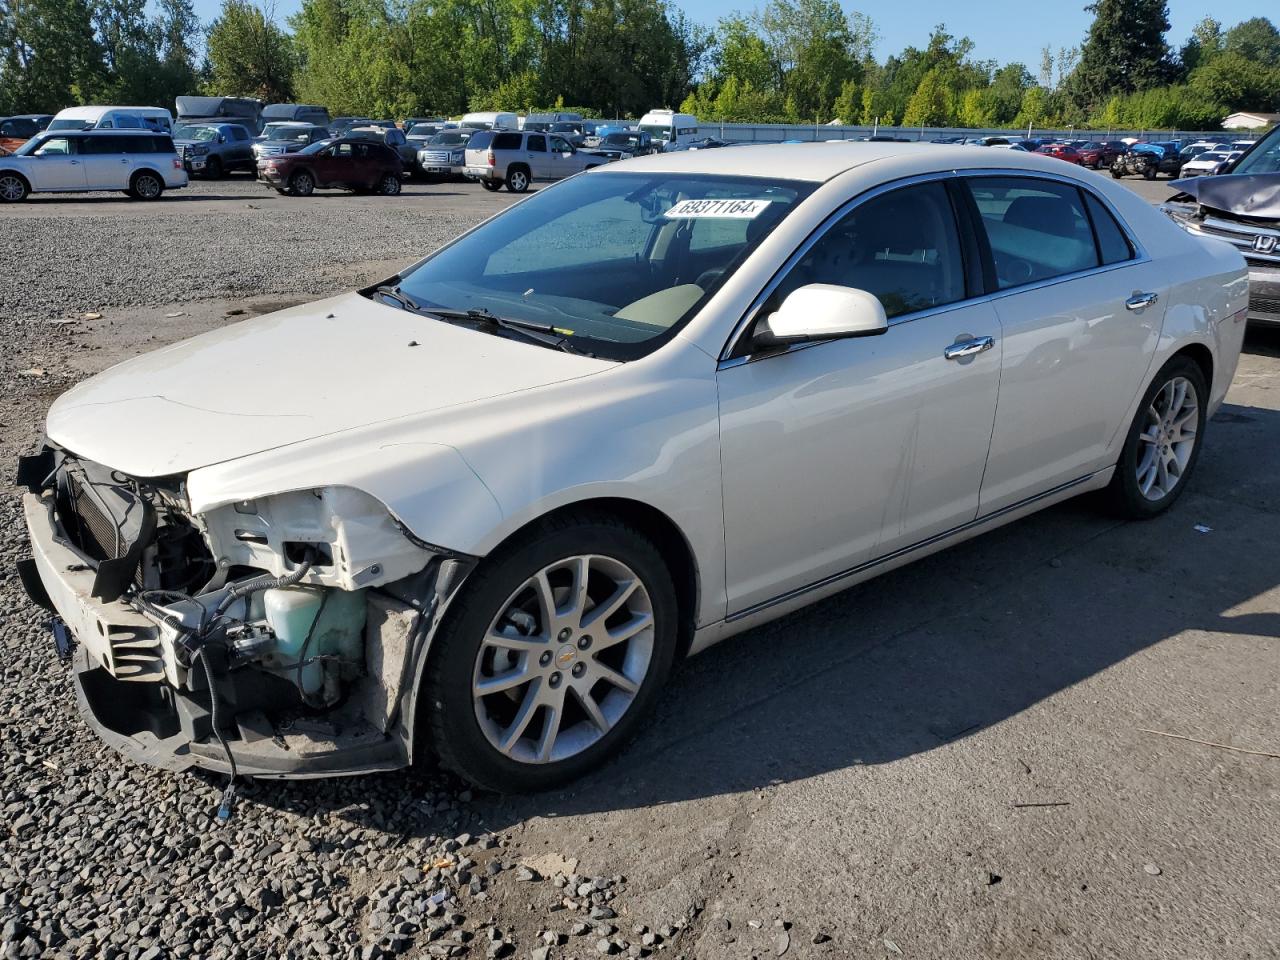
(1037, 229)
(506, 141)
(902, 246)
(538, 142)
(1113, 245)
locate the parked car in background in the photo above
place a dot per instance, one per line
(1209, 163)
(245, 111)
(670, 130)
(214, 149)
(288, 137)
(489, 120)
(112, 118)
(1241, 207)
(444, 155)
(420, 133)
(338, 126)
(392, 137)
(542, 122)
(349, 163)
(517, 158)
(15, 131)
(1097, 154)
(988, 141)
(518, 481)
(624, 144)
(1148, 160)
(1062, 151)
(408, 123)
(141, 163)
(297, 112)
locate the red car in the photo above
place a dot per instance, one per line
(1062, 152)
(348, 163)
(1098, 154)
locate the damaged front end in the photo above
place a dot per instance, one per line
(1244, 211)
(296, 624)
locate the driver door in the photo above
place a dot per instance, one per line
(838, 452)
(539, 159)
(58, 165)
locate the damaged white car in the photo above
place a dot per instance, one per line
(481, 509)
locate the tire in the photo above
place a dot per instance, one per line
(1154, 435)
(493, 186)
(213, 169)
(146, 185)
(390, 185)
(1149, 173)
(1117, 173)
(13, 188)
(302, 184)
(498, 600)
(517, 179)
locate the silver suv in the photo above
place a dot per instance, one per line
(142, 163)
(517, 158)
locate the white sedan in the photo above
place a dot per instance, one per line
(483, 508)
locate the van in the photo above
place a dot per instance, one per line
(674, 131)
(488, 120)
(298, 112)
(113, 118)
(242, 110)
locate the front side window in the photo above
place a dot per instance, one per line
(1037, 229)
(902, 246)
(56, 147)
(1263, 158)
(344, 150)
(560, 145)
(538, 142)
(609, 258)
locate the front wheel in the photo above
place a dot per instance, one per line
(1117, 173)
(389, 186)
(552, 657)
(1163, 443)
(213, 169)
(303, 184)
(13, 189)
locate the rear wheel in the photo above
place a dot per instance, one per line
(1149, 173)
(517, 180)
(1163, 444)
(213, 169)
(13, 189)
(551, 658)
(493, 186)
(146, 186)
(302, 184)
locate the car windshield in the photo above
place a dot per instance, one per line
(657, 131)
(423, 130)
(567, 257)
(622, 139)
(1264, 158)
(450, 138)
(281, 131)
(1212, 155)
(203, 133)
(66, 124)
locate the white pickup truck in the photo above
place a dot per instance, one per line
(517, 158)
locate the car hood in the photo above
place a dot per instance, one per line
(1244, 194)
(330, 366)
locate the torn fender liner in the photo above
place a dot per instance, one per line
(1245, 195)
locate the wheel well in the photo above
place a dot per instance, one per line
(1203, 359)
(137, 173)
(659, 527)
(517, 166)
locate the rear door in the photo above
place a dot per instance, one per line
(1077, 341)
(107, 163)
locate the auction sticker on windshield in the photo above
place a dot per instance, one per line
(721, 209)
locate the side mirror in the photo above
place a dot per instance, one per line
(222, 138)
(822, 311)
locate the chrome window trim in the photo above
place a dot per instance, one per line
(728, 361)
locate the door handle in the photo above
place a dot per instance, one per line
(75, 163)
(969, 348)
(124, 159)
(1140, 300)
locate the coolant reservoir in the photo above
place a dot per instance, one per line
(291, 611)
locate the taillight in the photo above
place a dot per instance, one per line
(177, 164)
(491, 158)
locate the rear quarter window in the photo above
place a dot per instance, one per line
(507, 141)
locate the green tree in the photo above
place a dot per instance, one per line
(1125, 50)
(848, 106)
(249, 55)
(1256, 39)
(931, 105)
(1237, 83)
(1205, 43)
(49, 55)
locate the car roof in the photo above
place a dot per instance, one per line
(821, 161)
(110, 132)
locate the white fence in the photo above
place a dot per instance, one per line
(780, 132)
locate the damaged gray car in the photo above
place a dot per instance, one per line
(1241, 207)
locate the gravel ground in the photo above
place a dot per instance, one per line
(946, 762)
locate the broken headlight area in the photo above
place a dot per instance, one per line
(285, 631)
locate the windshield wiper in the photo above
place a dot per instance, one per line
(543, 333)
(395, 293)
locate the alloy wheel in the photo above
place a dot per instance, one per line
(518, 182)
(564, 659)
(1168, 438)
(147, 187)
(12, 189)
(390, 186)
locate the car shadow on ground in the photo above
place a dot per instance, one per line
(931, 653)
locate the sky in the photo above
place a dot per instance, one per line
(1003, 30)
